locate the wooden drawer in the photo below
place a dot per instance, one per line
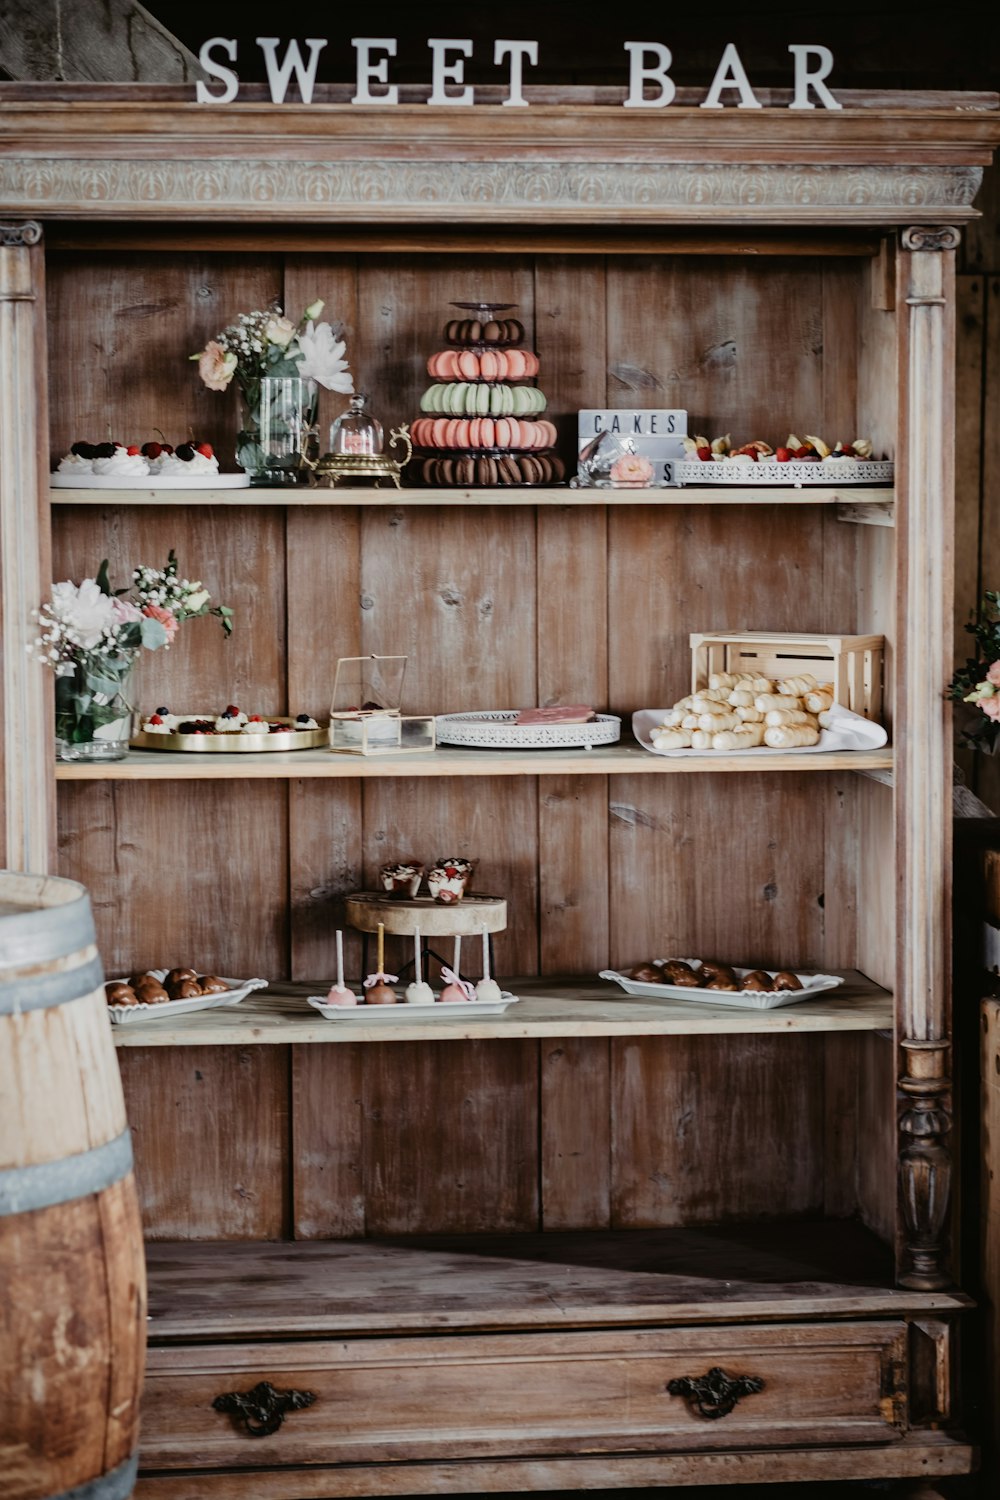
(478, 1396)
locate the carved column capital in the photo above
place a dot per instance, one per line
(931, 237)
(28, 232)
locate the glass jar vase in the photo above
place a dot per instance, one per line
(94, 698)
(277, 429)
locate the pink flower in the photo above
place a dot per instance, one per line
(990, 707)
(631, 468)
(993, 675)
(216, 366)
(166, 619)
(124, 612)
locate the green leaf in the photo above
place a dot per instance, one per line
(103, 581)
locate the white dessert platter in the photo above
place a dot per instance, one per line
(149, 481)
(234, 743)
(496, 730)
(795, 473)
(812, 985)
(840, 730)
(239, 989)
(400, 1013)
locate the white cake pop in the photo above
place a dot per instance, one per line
(487, 988)
(419, 992)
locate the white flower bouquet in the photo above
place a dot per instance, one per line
(266, 343)
(91, 637)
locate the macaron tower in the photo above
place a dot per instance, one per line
(482, 422)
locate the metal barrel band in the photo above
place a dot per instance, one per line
(43, 991)
(49, 932)
(24, 1189)
(117, 1484)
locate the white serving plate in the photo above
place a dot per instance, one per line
(812, 985)
(795, 473)
(448, 1010)
(149, 482)
(840, 729)
(239, 989)
(496, 730)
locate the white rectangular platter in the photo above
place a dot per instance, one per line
(448, 1010)
(149, 482)
(812, 985)
(239, 989)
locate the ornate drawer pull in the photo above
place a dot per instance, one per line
(715, 1394)
(263, 1409)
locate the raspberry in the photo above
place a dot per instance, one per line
(132, 450)
(205, 449)
(783, 455)
(155, 719)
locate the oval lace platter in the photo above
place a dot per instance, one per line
(496, 730)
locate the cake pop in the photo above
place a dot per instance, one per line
(487, 988)
(456, 988)
(339, 994)
(378, 985)
(419, 992)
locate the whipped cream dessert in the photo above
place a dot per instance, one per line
(169, 463)
(122, 464)
(75, 463)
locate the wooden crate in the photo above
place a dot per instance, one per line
(852, 663)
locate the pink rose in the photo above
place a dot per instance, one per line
(631, 469)
(216, 366)
(166, 619)
(124, 612)
(990, 707)
(993, 675)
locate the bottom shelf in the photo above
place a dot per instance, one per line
(791, 1269)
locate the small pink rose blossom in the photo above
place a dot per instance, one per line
(216, 366)
(632, 469)
(990, 707)
(993, 675)
(166, 619)
(124, 612)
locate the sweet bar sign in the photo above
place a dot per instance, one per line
(650, 85)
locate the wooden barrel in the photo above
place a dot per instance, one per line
(72, 1274)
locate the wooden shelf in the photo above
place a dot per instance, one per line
(548, 1008)
(852, 499)
(296, 765)
(746, 1273)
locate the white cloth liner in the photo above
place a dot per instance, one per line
(840, 730)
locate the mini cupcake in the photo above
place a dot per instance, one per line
(448, 879)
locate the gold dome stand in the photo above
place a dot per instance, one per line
(354, 468)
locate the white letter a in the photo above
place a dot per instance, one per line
(731, 74)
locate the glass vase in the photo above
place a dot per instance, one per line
(94, 707)
(277, 429)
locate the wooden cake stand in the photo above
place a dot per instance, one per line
(432, 919)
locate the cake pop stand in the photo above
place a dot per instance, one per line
(432, 919)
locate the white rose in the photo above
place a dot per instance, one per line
(194, 602)
(279, 331)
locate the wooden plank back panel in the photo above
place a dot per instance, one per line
(451, 1137)
(210, 1131)
(122, 328)
(714, 1129)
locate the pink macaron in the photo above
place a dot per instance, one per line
(468, 365)
(517, 365)
(487, 432)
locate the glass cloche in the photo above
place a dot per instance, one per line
(356, 432)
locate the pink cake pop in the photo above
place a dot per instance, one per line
(339, 994)
(456, 987)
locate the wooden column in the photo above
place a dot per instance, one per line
(925, 579)
(27, 799)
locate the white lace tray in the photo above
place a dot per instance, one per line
(239, 989)
(812, 985)
(795, 473)
(498, 731)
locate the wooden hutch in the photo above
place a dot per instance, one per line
(487, 1249)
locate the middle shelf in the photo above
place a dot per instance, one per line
(611, 760)
(548, 1008)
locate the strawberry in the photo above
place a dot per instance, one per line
(706, 455)
(804, 451)
(132, 450)
(783, 455)
(205, 449)
(155, 719)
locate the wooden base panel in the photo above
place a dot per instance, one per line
(929, 1457)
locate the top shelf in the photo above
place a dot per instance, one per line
(876, 499)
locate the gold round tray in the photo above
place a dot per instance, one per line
(235, 744)
(366, 909)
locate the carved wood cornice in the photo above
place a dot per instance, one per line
(570, 162)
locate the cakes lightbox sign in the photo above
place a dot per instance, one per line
(629, 447)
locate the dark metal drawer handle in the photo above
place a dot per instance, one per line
(263, 1409)
(715, 1394)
